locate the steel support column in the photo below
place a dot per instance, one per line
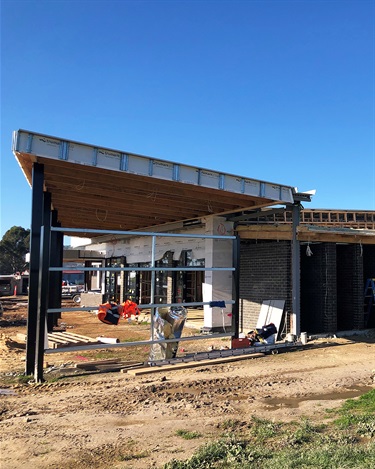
(43, 287)
(36, 224)
(236, 287)
(296, 274)
(55, 278)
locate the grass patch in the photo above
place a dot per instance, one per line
(105, 456)
(358, 415)
(24, 379)
(364, 404)
(347, 442)
(232, 425)
(263, 429)
(131, 457)
(187, 435)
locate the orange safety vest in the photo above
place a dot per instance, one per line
(109, 313)
(129, 309)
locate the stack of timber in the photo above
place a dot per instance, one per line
(68, 339)
(63, 339)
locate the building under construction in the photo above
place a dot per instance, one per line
(163, 233)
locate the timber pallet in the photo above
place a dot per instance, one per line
(68, 339)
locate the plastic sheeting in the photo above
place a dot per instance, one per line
(168, 324)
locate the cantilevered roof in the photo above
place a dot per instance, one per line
(100, 188)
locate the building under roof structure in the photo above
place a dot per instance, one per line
(315, 261)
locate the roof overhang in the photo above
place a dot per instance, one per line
(100, 188)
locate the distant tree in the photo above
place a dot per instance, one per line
(13, 248)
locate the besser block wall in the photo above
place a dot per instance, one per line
(332, 283)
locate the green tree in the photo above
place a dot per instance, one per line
(13, 248)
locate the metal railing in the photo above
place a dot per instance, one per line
(152, 305)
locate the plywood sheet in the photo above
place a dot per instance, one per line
(271, 311)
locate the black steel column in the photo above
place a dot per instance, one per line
(44, 263)
(36, 223)
(236, 288)
(296, 269)
(55, 278)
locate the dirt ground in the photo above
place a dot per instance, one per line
(79, 419)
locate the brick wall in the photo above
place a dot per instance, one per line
(368, 252)
(265, 273)
(368, 272)
(332, 283)
(349, 287)
(318, 289)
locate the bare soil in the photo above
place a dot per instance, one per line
(102, 419)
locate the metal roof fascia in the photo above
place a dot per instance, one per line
(56, 148)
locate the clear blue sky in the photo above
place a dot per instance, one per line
(282, 91)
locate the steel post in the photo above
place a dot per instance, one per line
(296, 280)
(36, 224)
(55, 278)
(236, 287)
(45, 250)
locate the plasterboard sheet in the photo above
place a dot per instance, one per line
(271, 311)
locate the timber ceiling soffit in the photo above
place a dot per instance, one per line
(95, 198)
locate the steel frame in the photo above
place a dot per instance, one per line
(42, 273)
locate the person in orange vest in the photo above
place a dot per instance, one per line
(110, 313)
(129, 309)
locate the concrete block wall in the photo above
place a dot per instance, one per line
(349, 287)
(265, 273)
(318, 289)
(368, 254)
(332, 283)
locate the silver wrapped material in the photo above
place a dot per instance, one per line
(168, 324)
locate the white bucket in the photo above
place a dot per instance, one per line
(290, 337)
(304, 338)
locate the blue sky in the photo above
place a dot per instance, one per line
(282, 91)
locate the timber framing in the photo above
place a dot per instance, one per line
(331, 226)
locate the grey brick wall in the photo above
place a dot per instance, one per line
(368, 254)
(349, 287)
(332, 283)
(318, 289)
(368, 272)
(265, 273)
